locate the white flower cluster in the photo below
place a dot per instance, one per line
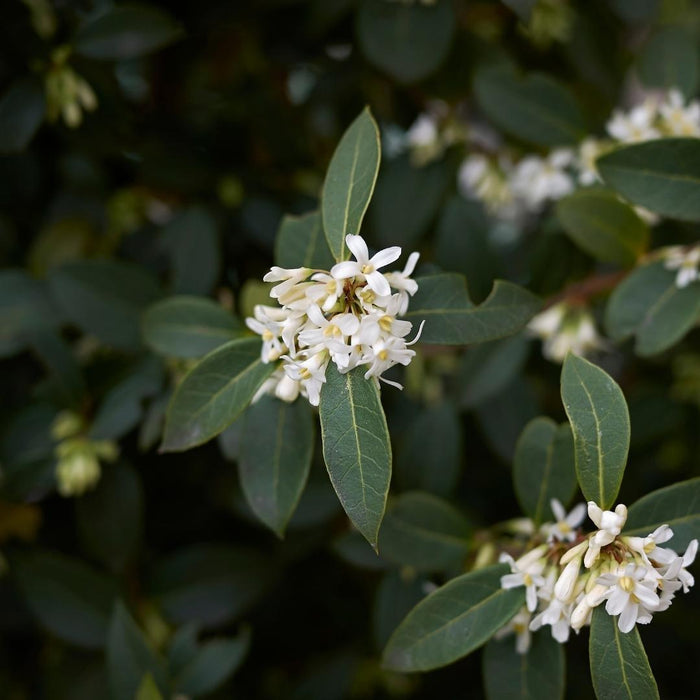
(686, 260)
(570, 574)
(347, 315)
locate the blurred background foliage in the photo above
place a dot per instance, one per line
(153, 150)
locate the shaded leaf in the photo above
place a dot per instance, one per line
(396, 596)
(300, 242)
(669, 60)
(22, 110)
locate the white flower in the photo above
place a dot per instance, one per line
(629, 596)
(537, 180)
(288, 280)
(328, 288)
(520, 625)
(679, 119)
(309, 373)
(526, 571)
(588, 151)
(403, 283)
(268, 323)
(636, 125)
(480, 178)
(423, 132)
(364, 267)
(333, 333)
(564, 529)
(558, 615)
(565, 587)
(609, 524)
(686, 261)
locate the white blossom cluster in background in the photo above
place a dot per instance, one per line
(569, 574)
(348, 315)
(686, 260)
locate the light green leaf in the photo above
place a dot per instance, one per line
(105, 298)
(356, 447)
(130, 658)
(126, 32)
(662, 175)
(670, 60)
(600, 422)
(66, 596)
(277, 445)
(649, 305)
(538, 674)
(185, 326)
(350, 182)
(213, 393)
(603, 226)
(677, 505)
(453, 621)
(424, 532)
(451, 318)
(407, 41)
(543, 467)
(148, 690)
(300, 243)
(619, 665)
(22, 110)
(533, 108)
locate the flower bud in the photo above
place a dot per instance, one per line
(580, 615)
(565, 586)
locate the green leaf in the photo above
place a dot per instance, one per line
(66, 596)
(424, 532)
(677, 505)
(22, 110)
(669, 60)
(538, 674)
(300, 243)
(662, 175)
(148, 690)
(24, 308)
(451, 318)
(356, 447)
(543, 467)
(186, 326)
(130, 658)
(105, 298)
(604, 227)
(619, 664)
(453, 621)
(396, 596)
(649, 305)
(110, 517)
(350, 181)
(213, 393)
(407, 41)
(600, 422)
(214, 662)
(126, 31)
(275, 457)
(534, 108)
(210, 584)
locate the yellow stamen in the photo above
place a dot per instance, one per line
(385, 323)
(626, 584)
(382, 355)
(268, 335)
(367, 269)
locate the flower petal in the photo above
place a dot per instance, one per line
(358, 248)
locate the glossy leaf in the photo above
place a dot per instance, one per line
(407, 41)
(534, 108)
(453, 621)
(300, 243)
(662, 175)
(619, 665)
(600, 422)
(424, 532)
(538, 674)
(213, 393)
(350, 181)
(186, 326)
(126, 32)
(277, 445)
(677, 505)
(543, 467)
(356, 447)
(649, 305)
(451, 318)
(603, 226)
(22, 110)
(130, 658)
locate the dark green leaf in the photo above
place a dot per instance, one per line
(604, 227)
(649, 305)
(275, 457)
(300, 243)
(126, 31)
(670, 60)
(600, 422)
(451, 318)
(396, 596)
(543, 467)
(214, 393)
(185, 326)
(350, 181)
(22, 110)
(356, 447)
(619, 665)
(453, 621)
(537, 675)
(677, 505)
(662, 175)
(408, 41)
(534, 108)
